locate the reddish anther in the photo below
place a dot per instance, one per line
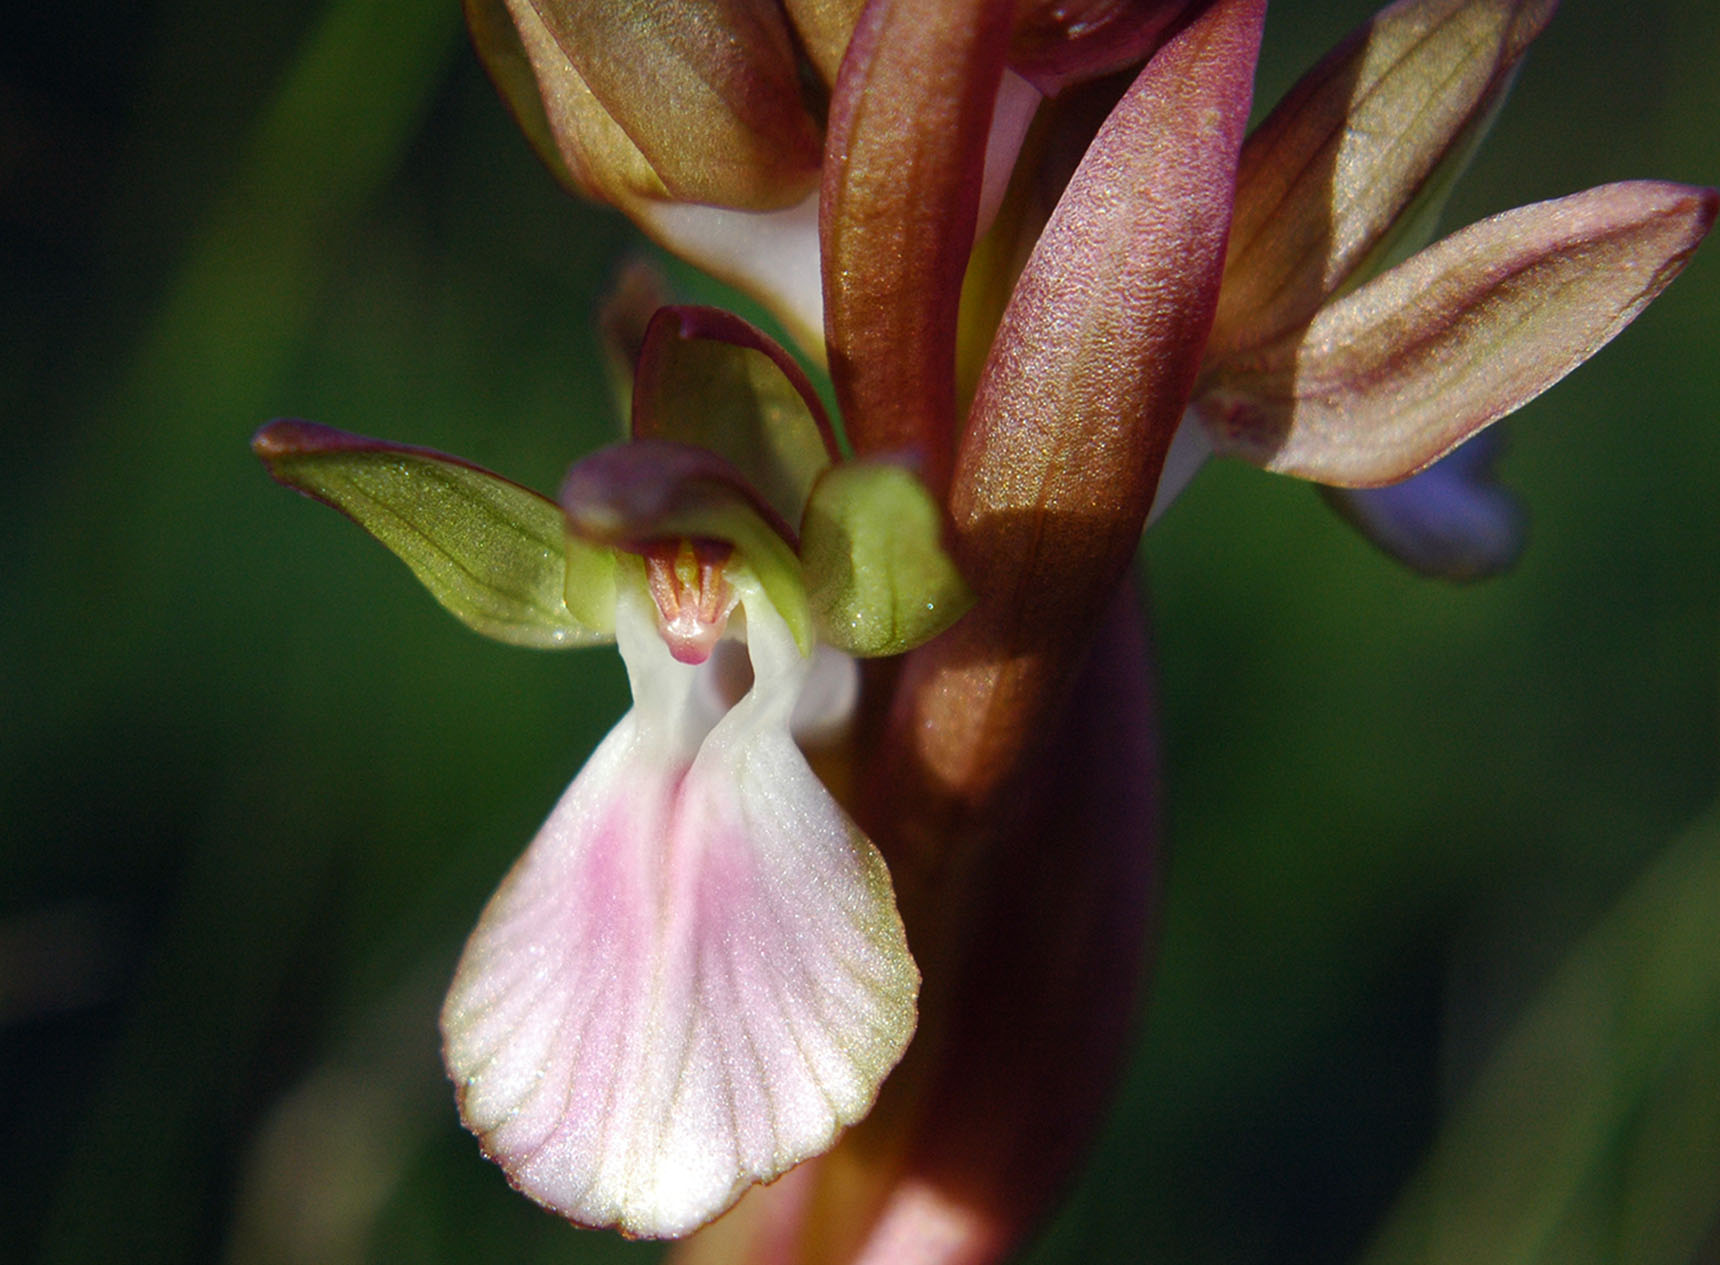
(693, 598)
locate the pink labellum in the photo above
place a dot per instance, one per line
(696, 975)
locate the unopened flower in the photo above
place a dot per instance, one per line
(1348, 352)
(689, 117)
(704, 120)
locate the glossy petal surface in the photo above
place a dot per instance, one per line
(568, 126)
(877, 575)
(696, 976)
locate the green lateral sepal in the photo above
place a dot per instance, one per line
(492, 552)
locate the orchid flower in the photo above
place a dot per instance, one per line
(1343, 183)
(696, 975)
(1006, 229)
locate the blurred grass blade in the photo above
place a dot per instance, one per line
(1592, 1109)
(142, 1172)
(230, 320)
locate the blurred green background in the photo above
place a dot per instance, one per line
(1441, 949)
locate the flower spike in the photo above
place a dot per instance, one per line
(1078, 401)
(1049, 276)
